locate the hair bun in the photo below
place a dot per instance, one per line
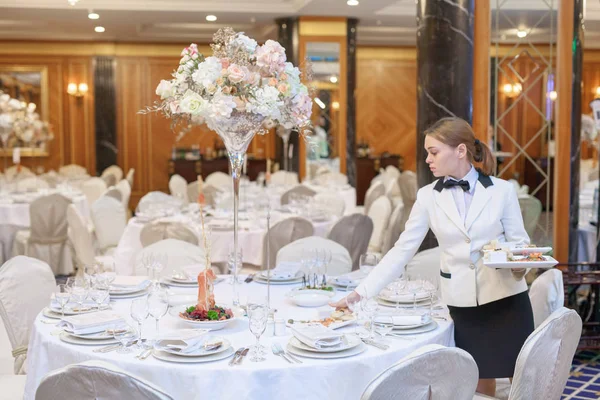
(478, 156)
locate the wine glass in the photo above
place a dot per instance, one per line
(62, 297)
(126, 335)
(148, 262)
(398, 286)
(139, 312)
(91, 272)
(415, 285)
(158, 305)
(367, 262)
(369, 308)
(257, 315)
(160, 262)
(234, 264)
(99, 293)
(431, 286)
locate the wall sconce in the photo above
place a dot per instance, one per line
(512, 90)
(598, 91)
(77, 90)
(335, 105)
(552, 95)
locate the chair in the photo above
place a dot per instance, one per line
(94, 379)
(125, 189)
(408, 190)
(47, 238)
(81, 240)
(32, 183)
(394, 229)
(332, 179)
(341, 262)
(109, 179)
(158, 197)
(353, 232)
(178, 188)
(393, 172)
(129, 177)
(547, 294)
(157, 231)
(109, 219)
(284, 178)
(114, 193)
(72, 170)
(193, 191)
(544, 361)
(12, 172)
(427, 264)
(373, 193)
(178, 254)
(93, 188)
(332, 203)
(432, 372)
(282, 233)
(379, 213)
(26, 286)
(113, 170)
(531, 209)
(218, 179)
(300, 189)
(12, 387)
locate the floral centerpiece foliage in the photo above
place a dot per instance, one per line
(240, 80)
(20, 119)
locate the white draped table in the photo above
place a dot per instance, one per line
(343, 379)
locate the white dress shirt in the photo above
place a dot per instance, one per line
(463, 199)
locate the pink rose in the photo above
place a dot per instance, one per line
(271, 56)
(236, 74)
(219, 82)
(252, 78)
(272, 82)
(283, 76)
(225, 62)
(240, 104)
(282, 87)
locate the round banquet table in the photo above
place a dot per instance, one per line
(251, 235)
(343, 378)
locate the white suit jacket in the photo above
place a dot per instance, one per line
(465, 282)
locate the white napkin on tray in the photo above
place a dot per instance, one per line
(317, 336)
(90, 323)
(283, 270)
(186, 340)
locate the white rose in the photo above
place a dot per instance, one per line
(208, 71)
(192, 103)
(248, 43)
(164, 89)
(235, 73)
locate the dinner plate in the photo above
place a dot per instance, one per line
(350, 343)
(404, 298)
(69, 309)
(422, 329)
(388, 303)
(548, 263)
(528, 250)
(338, 354)
(68, 338)
(259, 279)
(164, 356)
(93, 336)
(200, 352)
(129, 296)
(126, 291)
(263, 275)
(407, 327)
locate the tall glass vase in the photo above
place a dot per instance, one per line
(236, 160)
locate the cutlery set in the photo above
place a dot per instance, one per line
(239, 355)
(278, 351)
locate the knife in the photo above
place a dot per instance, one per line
(249, 278)
(106, 349)
(375, 344)
(242, 355)
(236, 355)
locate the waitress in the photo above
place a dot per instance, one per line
(466, 209)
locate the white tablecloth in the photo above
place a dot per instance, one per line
(250, 237)
(348, 193)
(343, 379)
(15, 216)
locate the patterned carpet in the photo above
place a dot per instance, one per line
(584, 381)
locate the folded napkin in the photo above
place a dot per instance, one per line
(283, 270)
(407, 320)
(317, 336)
(90, 323)
(126, 283)
(350, 279)
(184, 341)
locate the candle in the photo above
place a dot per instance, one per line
(17, 156)
(291, 151)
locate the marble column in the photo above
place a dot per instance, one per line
(105, 112)
(351, 103)
(576, 128)
(288, 37)
(445, 72)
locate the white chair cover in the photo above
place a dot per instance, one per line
(47, 238)
(11, 172)
(130, 176)
(332, 203)
(157, 231)
(218, 179)
(210, 194)
(114, 193)
(427, 264)
(531, 209)
(52, 179)
(282, 233)
(109, 219)
(547, 294)
(109, 179)
(12, 387)
(331, 178)
(380, 213)
(394, 229)
(544, 361)
(80, 238)
(284, 178)
(341, 262)
(193, 191)
(408, 190)
(93, 188)
(32, 183)
(353, 232)
(300, 189)
(178, 188)
(19, 309)
(178, 253)
(373, 193)
(432, 372)
(158, 197)
(125, 189)
(96, 380)
(393, 171)
(72, 170)
(113, 170)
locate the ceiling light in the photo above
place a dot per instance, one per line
(352, 2)
(99, 29)
(211, 18)
(333, 79)
(93, 15)
(253, 20)
(521, 33)
(72, 2)
(320, 103)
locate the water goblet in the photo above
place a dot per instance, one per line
(99, 293)
(367, 262)
(415, 285)
(124, 334)
(383, 324)
(62, 297)
(158, 305)
(139, 312)
(257, 315)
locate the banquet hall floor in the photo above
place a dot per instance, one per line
(584, 380)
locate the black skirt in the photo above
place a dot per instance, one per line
(494, 333)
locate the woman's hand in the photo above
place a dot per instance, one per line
(343, 303)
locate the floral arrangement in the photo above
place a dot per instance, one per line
(241, 77)
(20, 119)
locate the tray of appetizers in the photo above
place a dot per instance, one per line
(516, 248)
(496, 259)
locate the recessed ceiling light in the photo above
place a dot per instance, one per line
(211, 18)
(72, 2)
(93, 15)
(99, 29)
(352, 2)
(521, 33)
(253, 20)
(333, 79)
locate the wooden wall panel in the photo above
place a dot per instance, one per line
(386, 107)
(590, 81)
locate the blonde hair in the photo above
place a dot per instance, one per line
(454, 131)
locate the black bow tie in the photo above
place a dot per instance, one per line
(450, 183)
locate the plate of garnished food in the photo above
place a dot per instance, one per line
(506, 260)
(337, 319)
(515, 248)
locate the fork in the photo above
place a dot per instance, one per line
(279, 353)
(281, 350)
